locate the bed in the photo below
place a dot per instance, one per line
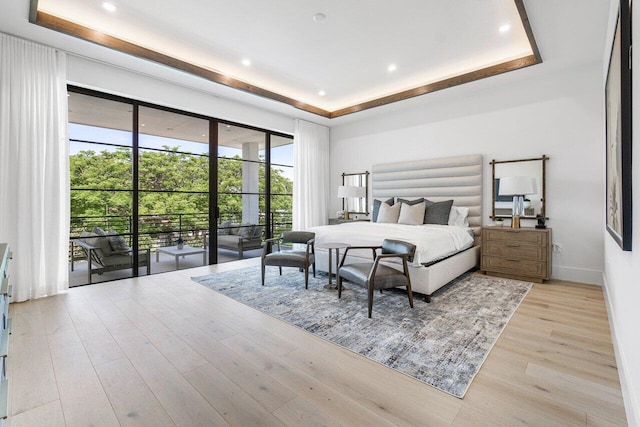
(451, 178)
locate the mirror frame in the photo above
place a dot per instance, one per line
(543, 195)
(366, 191)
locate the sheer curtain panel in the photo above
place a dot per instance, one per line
(311, 175)
(34, 166)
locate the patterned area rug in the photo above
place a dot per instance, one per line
(443, 343)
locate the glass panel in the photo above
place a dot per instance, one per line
(281, 214)
(173, 183)
(100, 160)
(240, 189)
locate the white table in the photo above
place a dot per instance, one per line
(186, 250)
(331, 246)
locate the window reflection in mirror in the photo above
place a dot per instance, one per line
(534, 203)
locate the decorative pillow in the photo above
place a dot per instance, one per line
(234, 229)
(411, 202)
(437, 212)
(458, 216)
(225, 228)
(246, 230)
(94, 240)
(376, 207)
(411, 214)
(389, 214)
(102, 241)
(117, 242)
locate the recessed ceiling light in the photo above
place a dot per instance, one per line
(142, 124)
(322, 93)
(246, 62)
(109, 6)
(319, 17)
(392, 67)
(504, 28)
(204, 134)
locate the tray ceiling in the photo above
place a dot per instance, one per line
(332, 64)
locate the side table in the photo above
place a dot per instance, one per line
(331, 246)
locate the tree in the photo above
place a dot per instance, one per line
(172, 185)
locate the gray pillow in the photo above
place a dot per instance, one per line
(235, 229)
(376, 208)
(246, 230)
(225, 227)
(102, 241)
(437, 212)
(411, 202)
(117, 242)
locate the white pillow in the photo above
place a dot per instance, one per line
(389, 214)
(411, 214)
(458, 216)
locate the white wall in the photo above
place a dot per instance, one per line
(559, 114)
(118, 81)
(622, 269)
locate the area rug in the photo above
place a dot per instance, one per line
(442, 343)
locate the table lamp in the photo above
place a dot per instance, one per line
(350, 191)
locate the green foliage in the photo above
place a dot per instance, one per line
(96, 178)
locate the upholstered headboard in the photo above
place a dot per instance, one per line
(458, 178)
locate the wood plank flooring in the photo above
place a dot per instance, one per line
(165, 351)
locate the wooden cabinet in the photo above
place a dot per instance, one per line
(5, 327)
(519, 253)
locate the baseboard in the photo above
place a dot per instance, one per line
(628, 395)
(582, 275)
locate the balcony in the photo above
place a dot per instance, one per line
(157, 231)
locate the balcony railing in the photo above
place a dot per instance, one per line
(158, 230)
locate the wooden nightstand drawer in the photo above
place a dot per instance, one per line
(514, 236)
(522, 253)
(515, 267)
(515, 250)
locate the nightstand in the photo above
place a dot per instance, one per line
(334, 221)
(518, 253)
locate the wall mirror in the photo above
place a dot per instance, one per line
(355, 192)
(535, 202)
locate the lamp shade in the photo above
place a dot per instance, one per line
(345, 191)
(517, 186)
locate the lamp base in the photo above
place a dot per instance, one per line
(515, 222)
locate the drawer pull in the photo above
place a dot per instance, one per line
(513, 260)
(513, 245)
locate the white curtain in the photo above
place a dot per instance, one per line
(34, 167)
(311, 175)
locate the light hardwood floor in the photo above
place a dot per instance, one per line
(163, 351)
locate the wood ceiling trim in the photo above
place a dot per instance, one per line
(55, 23)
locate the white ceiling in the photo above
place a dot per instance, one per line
(569, 34)
(347, 55)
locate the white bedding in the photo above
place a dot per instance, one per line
(432, 241)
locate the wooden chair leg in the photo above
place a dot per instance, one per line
(306, 277)
(314, 269)
(370, 299)
(339, 279)
(409, 292)
(280, 268)
(263, 268)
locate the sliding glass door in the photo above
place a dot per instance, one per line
(173, 189)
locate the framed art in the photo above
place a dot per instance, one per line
(618, 132)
